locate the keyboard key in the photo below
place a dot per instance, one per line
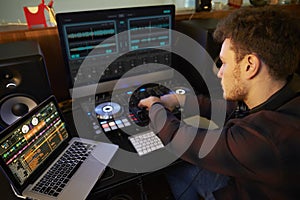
(60, 173)
(145, 142)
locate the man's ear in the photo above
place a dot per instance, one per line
(252, 66)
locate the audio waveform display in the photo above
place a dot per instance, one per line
(34, 130)
(151, 27)
(91, 33)
(149, 32)
(84, 38)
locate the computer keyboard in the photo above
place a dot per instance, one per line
(145, 142)
(60, 173)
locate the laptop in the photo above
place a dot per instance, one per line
(42, 159)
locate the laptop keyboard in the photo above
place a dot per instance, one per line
(60, 173)
(145, 142)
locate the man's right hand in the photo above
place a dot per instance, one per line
(171, 101)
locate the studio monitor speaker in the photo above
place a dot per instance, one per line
(24, 80)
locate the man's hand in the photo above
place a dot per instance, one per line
(170, 101)
(148, 102)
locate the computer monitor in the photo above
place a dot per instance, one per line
(111, 42)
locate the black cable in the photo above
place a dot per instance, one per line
(142, 191)
(190, 184)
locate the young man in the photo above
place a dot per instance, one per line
(257, 155)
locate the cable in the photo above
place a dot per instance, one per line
(142, 191)
(190, 184)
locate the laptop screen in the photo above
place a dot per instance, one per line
(96, 37)
(28, 143)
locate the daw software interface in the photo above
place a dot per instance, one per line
(112, 42)
(30, 144)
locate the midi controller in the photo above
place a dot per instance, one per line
(117, 115)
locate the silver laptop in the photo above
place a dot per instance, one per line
(42, 160)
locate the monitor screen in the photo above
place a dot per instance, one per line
(101, 46)
(34, 139)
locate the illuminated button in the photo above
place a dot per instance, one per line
(126, 122)
(105, 127)
(132, 117)
(119, 123)
(113, 125)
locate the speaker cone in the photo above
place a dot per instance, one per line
(15, 107)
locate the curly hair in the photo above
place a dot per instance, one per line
(272, 34)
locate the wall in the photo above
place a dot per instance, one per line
(11, 11)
